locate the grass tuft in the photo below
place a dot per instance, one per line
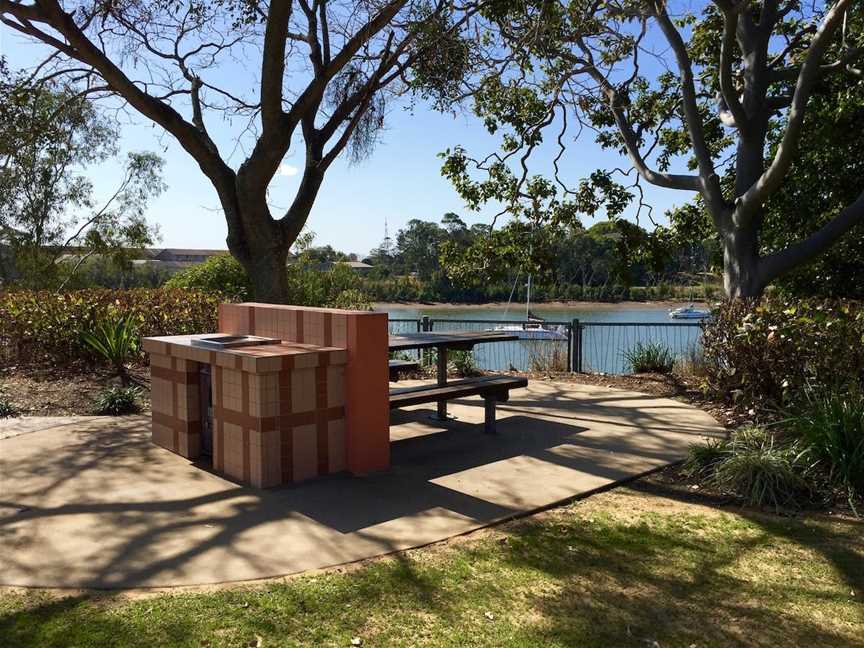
(702, 458)
(7, 409)
(649, 358)
(117, 401)
(831, 424)
(762, 470)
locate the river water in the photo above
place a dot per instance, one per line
(609, 332)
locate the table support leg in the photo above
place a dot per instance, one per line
(489, 416)
(442, 380)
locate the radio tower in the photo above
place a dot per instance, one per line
(387, 244)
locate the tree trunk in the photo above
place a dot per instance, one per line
(741, 276)
(267, 273)
(259, 244)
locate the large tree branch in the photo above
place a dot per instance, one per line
(793, 72)
(325, 32)
(270, 148)
(368, 90)
(727, 56)
(778, 263)
(773, 176)
(631, 144)
(615, 102)
(364, 35)
(709, 181)
(79, 47)
(273, 65)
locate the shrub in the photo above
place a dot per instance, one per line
(831, 424)
(702, 458)
(116, 341)
(762, 470)
(638, 293)
(7, 409)
(221, 275)
(45, 326)
(649, 358)
(117, 401)
(351, 299)
(547, 357)
(767, 352)
(463, 363)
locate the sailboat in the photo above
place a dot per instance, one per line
(534, 327)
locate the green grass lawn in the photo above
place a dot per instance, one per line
(618, 569)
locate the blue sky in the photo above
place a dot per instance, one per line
(400, 181)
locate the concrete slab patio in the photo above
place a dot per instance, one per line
(96, 504)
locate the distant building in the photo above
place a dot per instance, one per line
(357, 266)
(167, 261)
(184, 255)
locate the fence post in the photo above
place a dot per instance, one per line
(576, 336)
(570, 347)
(424, 355)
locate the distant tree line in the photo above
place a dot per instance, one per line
(429, 261)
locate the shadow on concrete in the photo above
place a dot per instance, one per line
(615, 584)
(104, 508)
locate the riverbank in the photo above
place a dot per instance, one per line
(558, 305)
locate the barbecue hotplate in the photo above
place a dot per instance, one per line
(232, 341)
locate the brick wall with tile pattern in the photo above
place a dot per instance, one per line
(175, 404)
(281, 427)
(366, 387)
(278, 410)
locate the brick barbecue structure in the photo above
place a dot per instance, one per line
(312, 400)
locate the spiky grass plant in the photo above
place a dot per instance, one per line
(831, 424)
(118, 401)
(116, 341)
(651, 357)
(763, 470)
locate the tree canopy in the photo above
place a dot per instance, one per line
(49, 136)
(711, 100)
(824, 178)
(279, 75)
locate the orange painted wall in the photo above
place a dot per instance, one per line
(367, 395)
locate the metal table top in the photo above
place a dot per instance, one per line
(451, 339)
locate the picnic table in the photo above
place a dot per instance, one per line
(443, 341)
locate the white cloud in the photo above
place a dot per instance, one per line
(288, 170)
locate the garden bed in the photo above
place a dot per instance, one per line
(70, 391)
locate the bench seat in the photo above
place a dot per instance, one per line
(493, 389)
(399, 367)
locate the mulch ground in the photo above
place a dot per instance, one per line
(66, 391)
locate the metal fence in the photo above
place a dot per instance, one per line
(599, 347)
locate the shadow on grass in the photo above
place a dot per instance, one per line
(639, 584)
(568, 580)
(840, 541)
(327, 610)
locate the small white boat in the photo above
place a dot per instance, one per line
(689, 312)
(534, 327)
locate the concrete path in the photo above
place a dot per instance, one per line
(95, 504)
(10, 427)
